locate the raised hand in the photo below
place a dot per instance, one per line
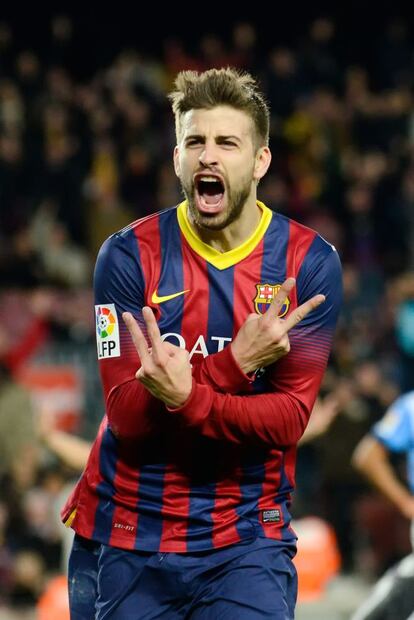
(263, 339)
(165, 369)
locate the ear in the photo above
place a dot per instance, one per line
(176, 161)
(262, 162)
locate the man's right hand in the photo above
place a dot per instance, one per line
(263, 339)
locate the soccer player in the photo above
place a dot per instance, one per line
(393, 595)
(214, 325)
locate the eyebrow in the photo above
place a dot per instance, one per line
(219, 139)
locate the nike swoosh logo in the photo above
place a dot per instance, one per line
(160, 299)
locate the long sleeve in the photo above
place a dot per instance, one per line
(131, 408)
(279, 417)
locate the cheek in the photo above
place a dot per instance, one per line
(242, 172)
(185, 166)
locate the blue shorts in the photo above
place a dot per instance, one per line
(247, 581)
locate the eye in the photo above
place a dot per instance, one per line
(228, 144)
(193, 142)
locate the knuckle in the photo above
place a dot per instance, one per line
(277, 333)
(270, 326)
(284, 342)
(299, 316)
(150, 366)
(184, 355)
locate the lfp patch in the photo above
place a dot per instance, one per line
(264, 296)
(107, 331)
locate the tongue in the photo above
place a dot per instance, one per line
(212, 199)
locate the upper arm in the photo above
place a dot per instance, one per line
(300, 372)
(395, 429)
(368, 452)
(118, 286)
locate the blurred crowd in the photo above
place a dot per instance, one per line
(82, 156)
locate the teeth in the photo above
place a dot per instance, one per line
(209, 179)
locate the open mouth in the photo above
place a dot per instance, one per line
(210, 192)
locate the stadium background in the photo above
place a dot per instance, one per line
(86, 136)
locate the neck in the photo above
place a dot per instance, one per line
(236, 233)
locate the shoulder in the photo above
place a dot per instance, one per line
(301, 237)
(397, 425)
(141, 229)
(318, 245)
(307, 251)
(136, 227)
(404, 404)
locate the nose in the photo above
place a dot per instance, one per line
(208, 156)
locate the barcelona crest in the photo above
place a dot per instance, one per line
(265, 294)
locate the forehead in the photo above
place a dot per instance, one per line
(218, 121)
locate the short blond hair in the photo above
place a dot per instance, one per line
(237, 89)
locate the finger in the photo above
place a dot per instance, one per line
(279, 299)
(154, 334)
(170, 348)
(140, 374)
(299, 314)
(137, 336)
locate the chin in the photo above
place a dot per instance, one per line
(211, 223)
(214, 221)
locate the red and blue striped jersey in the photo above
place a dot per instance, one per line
(219, 469)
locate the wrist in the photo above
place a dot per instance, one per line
(179, 399)
(197, 408)
(241, 359)
(403, 504)
(177, 405)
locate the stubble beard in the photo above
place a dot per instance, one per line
(235, 203)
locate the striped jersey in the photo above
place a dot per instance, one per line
(219, 469)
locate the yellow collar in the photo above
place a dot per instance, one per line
(222, 260)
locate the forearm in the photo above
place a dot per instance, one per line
(71, 450)
(383, 477)
(130, 406)
(271, 418)
(276, 417)
(222, 372)
(370, 458)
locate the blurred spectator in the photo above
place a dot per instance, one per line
(64, 264)
(23, 326)
(6, 48)
(282, 81)
(244, 42)
(28, 579)
(394, 61)
(20, 265)
(61, 29)
(16, 421)
(28, 77)
(320, 56)
(71, 451)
